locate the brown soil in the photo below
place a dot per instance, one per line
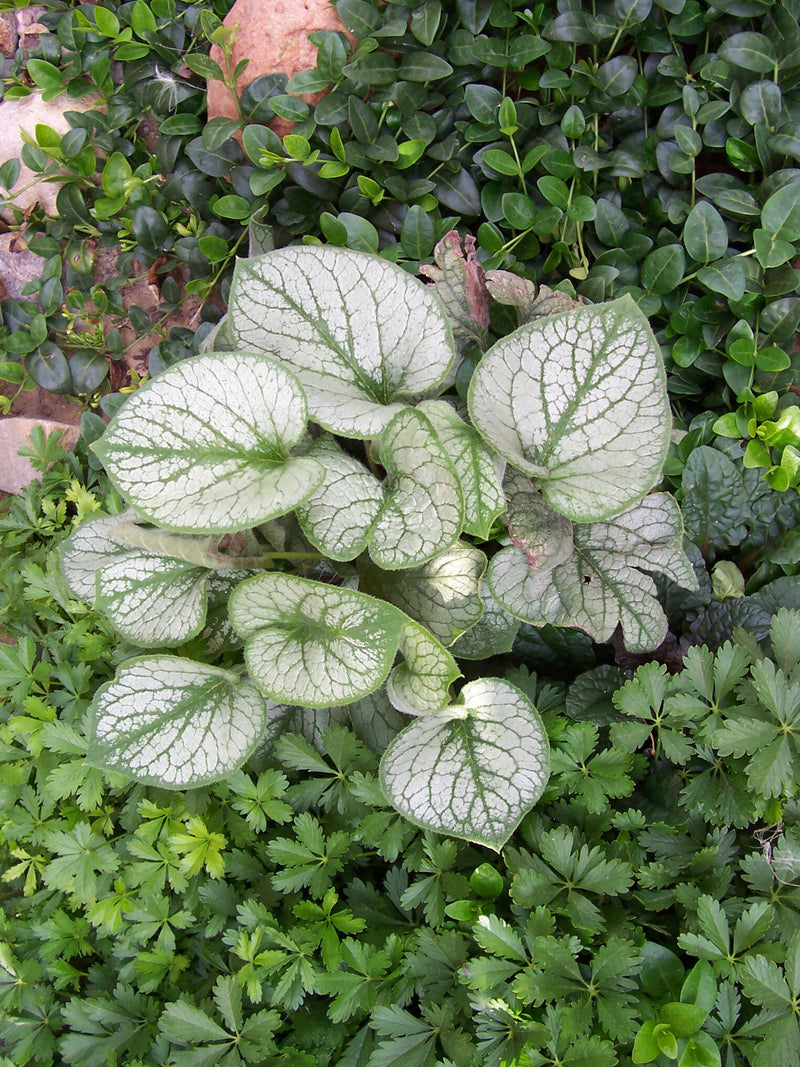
(143, 291)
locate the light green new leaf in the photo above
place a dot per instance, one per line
(442, 594)
(473, 770)
(492, 635)
(544, 535)
(578, 402)
(205, 445)
(421, 684)
(175, 723)
(312, 644)
(480, 470)
(338, 516)
(361, 334)
(602, 584)
(423, 512)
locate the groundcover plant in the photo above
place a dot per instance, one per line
(314, 478)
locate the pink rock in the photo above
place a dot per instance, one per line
(16, 471)
(273, 35)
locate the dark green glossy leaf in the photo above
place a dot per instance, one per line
(359, 17)
(705, 236)
(663, 269)
(753, 51)
(49, 368)
(761, 102)
(417, 234)
(725, 276)
(474, 13)
(88, 370)
(617, 75)
(715, 503)
(458, 192)
(424, 67)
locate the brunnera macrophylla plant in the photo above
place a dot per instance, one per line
(324, 529)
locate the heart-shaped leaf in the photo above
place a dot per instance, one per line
(578, 402)
(422, 513)
(473, 770)
(361, 334)
(409, 518)
(313, 644)
(602, 584)
(442, 594)
(339, 514)
(421, 684)
(175, 723)
(205, 445)
(153, 601)
(153, 598)
(480, 470)
(87, 550)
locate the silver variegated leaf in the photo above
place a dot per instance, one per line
(175, 723)
(423, 511)
(421, 684)
(312, 644)
(206, 445)
(87, 549)
(339, 515)
(442, 594)
(360, 333)
(578, 402)
(603, 584)
(480, 469)
(474, 769)
(153, 601)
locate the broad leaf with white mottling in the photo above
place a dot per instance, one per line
(175, 723)
(544, 535)
(442, 594)
(603, 583)
(313, 644)
(205, 445)
(153, 600)
(361, 334)
(492, 635)
(422, 513)
(87, 549)
(479, 468)
(473, 770)
(578, 402)
(339, 514)
(421, 683)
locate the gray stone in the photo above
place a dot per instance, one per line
(25, 114)
(18, 266)
(16, 471)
